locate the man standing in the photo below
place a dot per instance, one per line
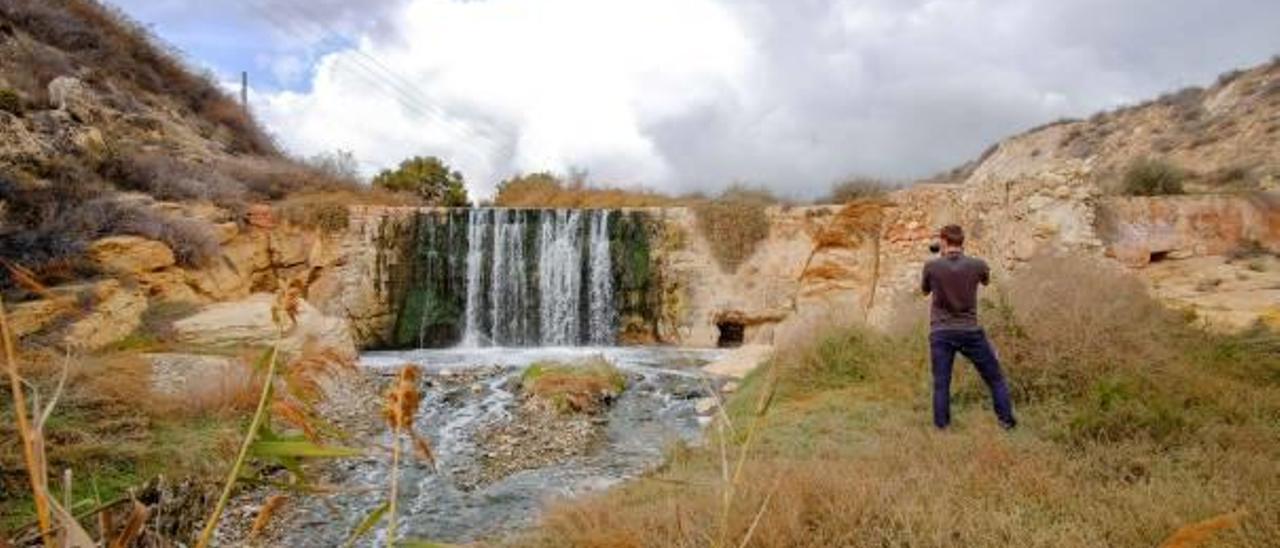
(953, 280)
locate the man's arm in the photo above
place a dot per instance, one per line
(925, 287)
(984, 273)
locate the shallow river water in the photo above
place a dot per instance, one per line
(656, 410)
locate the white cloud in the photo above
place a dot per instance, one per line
(502, 86)
(693, 94)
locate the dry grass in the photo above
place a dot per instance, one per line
(548, 190)
(1123, 440)
(228, 392)
(734, 224)
(113, 47)
(858, 188)
(853, 224)
(329, 210)
(113, 432)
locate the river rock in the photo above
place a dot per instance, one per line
(248, 323)
(535, 437)
(740, 362)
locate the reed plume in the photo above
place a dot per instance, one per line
(269, 509)
(1195, 534)
(31, 444)
(399, 409)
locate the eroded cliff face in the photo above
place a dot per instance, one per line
(862, 261)
(142, 293)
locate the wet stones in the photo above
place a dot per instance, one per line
(558, 415)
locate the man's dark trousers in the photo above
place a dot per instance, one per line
(973, 344)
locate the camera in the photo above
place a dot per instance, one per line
(935, 247)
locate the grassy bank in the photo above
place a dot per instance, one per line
(113, 433)
(1134, 423)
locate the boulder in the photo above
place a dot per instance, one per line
(226, 231)
(130, 254)
(70, 95)
(741, 361)
(115, 312)
(248, 323)
(705, 406)
(232, 275)
(188, 375)
(35, 316)
(171, 285)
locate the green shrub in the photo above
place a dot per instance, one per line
(428, 177)
(327, 212)
(1119, 408)
(838, 359)
(1149, 177)
(10, 102)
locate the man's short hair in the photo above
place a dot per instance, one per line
(953, 235)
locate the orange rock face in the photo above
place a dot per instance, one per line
(261, 216)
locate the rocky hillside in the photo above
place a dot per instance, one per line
(1224, 137)
(133, 190)
(105, 132)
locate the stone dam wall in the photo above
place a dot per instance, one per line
(857, 262)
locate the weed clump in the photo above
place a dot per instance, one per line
(734, 224)
(49, 226)
(1150, 177)
(545, 189)
(858, 188)
(10, 102)
(583, 387)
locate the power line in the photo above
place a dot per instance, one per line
(392, 77)
(409, 101)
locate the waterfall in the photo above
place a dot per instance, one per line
(539, 277)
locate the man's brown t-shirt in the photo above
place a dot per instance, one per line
(953, 280)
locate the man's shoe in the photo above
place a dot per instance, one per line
(1008, 425)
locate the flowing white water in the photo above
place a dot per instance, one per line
(600, 296)
(657, 409)
(508, 283)
(539, 277)
(560, 277)
(477, 227)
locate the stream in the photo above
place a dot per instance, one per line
(465, 391)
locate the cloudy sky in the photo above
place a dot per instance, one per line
(684, 95)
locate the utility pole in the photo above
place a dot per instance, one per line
(244, 90)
